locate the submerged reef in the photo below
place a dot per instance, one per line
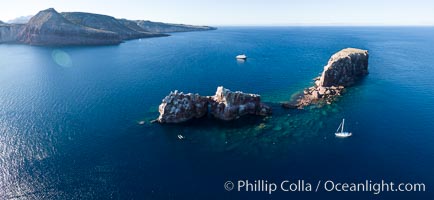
(342, 70)
(224, 105)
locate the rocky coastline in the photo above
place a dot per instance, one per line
(225, 105)
(49, 27)
(343, 69)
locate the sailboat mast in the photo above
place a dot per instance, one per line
(343, 123)
(339, 127)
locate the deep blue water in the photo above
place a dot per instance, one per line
(69, 117)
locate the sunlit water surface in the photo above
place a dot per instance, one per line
(70, 116)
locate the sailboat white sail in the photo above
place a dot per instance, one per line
(342, 133)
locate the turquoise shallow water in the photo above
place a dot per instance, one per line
(69, 117)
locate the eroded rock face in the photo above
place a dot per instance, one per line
(228, 105)
(179, 107)
(342, 70)
(225, 105)
(9, 32)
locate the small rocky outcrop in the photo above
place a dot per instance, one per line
(224, 105)
(227, 105)
(342, 70)
(179, 107)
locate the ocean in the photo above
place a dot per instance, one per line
(71, 117)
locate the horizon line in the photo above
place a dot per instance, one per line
(269, 24)
(322, 25)
(292, 25)
(334, 24)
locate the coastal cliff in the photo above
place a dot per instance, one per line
(9, 32)
(343, 69)
(224, 105)
(48, 27)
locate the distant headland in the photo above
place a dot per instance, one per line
(48, 27)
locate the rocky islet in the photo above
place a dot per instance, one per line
(224, 105)
(343, 69)
(227, 105)
(179, 107)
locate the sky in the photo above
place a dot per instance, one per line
(242, 12)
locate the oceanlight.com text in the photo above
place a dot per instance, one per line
(374, 187)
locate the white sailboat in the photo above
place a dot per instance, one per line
(341, 133)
